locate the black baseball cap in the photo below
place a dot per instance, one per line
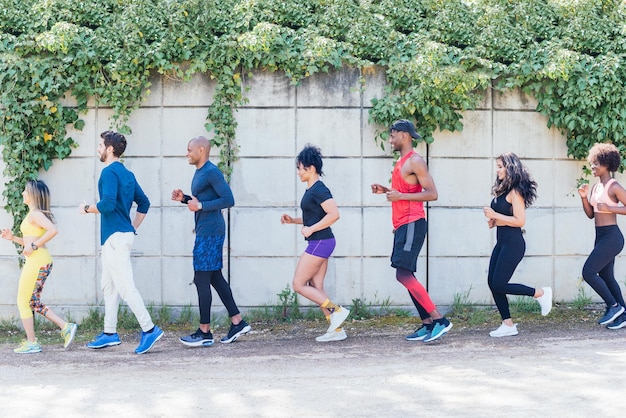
(405, 126)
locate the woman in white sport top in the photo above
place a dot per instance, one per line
(602, 203)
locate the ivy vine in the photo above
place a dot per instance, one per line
(439, 56)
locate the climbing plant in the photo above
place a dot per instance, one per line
(439, 56)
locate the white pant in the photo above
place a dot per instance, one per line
(118, 281)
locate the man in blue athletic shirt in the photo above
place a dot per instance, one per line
(118, 189)
(209, 195)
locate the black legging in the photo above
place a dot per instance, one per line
(598, 269)
(420, 309)
(506, 255)
(204, 280)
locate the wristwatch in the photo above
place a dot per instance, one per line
(33, 246)
(86, 208)
(199, 205)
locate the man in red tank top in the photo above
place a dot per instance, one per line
(411, 186)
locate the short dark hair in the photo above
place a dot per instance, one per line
(115, 140)
(310, 156)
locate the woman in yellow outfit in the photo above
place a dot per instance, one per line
(37, 229)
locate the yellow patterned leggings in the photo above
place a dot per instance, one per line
(34, 274)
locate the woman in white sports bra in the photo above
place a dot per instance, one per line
(602, 203)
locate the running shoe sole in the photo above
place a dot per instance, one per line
(232, 339)
(111, 344)
(205, 343)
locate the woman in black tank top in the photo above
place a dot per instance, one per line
(514, 191)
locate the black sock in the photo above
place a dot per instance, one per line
(150, 330)
(109, 333)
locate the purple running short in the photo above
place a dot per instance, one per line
(321, 247)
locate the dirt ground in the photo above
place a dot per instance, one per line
(577, 371)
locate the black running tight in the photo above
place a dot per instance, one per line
(204, 280)
(598, 269)
(506, 255)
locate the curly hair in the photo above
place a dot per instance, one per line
(517, 178)
(40, 194)
(310, 156)
(606, 155)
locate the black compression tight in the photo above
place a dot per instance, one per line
(203, 281)
(598, 269)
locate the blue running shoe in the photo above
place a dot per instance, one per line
(440, 327)
(419, 333)
(148, 339)
(104, 340)
(612, 312)
(620, 322)
(198, 339)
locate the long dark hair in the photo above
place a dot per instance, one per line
(517, 178)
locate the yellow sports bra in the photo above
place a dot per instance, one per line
(30, 230)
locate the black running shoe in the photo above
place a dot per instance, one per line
(235, 331)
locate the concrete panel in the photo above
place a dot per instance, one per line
(79, 235)
(148, 279)
(87, 139)
(348, 233)
(376, 170)
(568, 279)
(145, 123)
(539, 234)
(462, 276)
(486, 102)
(375, 81)
(513, 100)
(266, 182)
(458, 232)
(523, 133)
(179, 126)
(476, 128)
(7, 248)
(177, 173)
(148, 238)
(71, 181)
(343, 284)
(258, 232)
(147, 171)
(266, 132)
(473, 190)
(10, 274)
(564, 183)
(198, 91)
(372, 147)
(177, 279)
(265, 89)
(342, 176)
(377, 232)
(257, 281)
(178, 236)
(153, 94)
(336, 132)
(73, 281)
(574, 233)
(337, 88)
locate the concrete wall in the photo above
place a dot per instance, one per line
(330, 111)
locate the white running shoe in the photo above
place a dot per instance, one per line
(337, 318)
(504, 331)
(545, 301)
(336, 335)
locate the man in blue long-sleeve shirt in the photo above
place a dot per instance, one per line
(118, 189)
(209, 195)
